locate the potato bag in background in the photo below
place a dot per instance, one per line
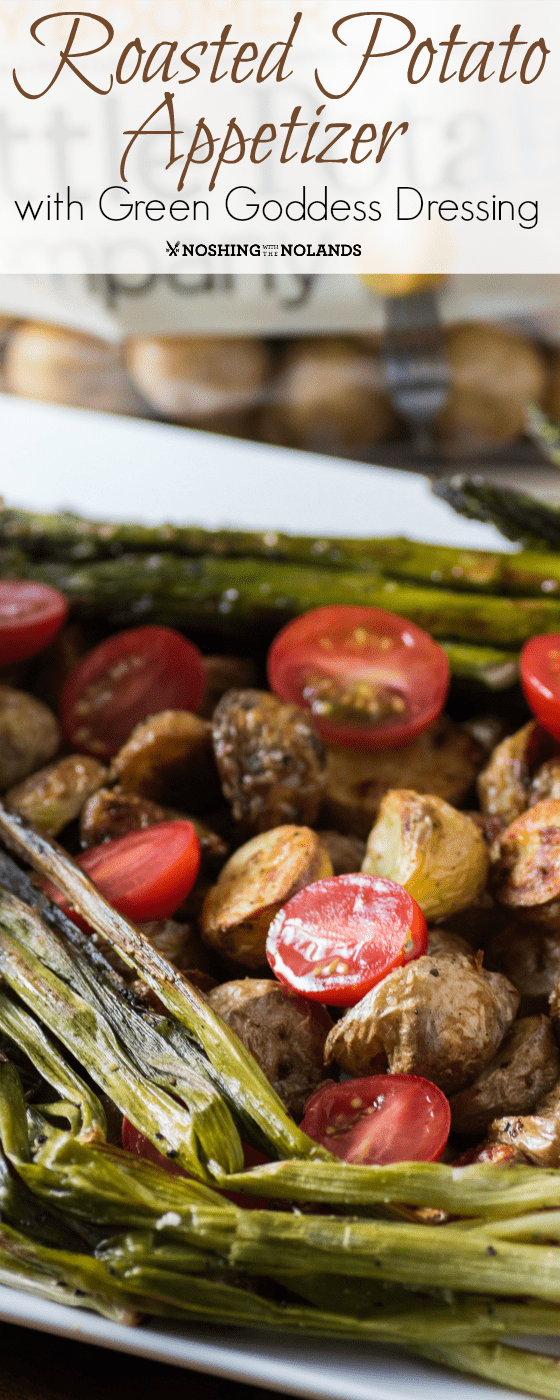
(65, 366)
(202, 381)
(329, 395)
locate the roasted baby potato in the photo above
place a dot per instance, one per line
(526, 1066)
(346, 852)
(546, 783)
(440, 940)
(441, 1016)
(269, 758)
(526, 865)
(504, 786)
(443, 761)
(286, 1034)
(55, 795)
(226, 673)
(535, 1135)
(110, 813)
(168, 759)
(29, 735)
(437, 853)
(254, 884)
(530, 958)
(180, 943)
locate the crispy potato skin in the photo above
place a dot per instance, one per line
(526, 865)
(270, 761)
(437, 853)
(55, 795)
(536, 1135)
(443, 762)
(168, 759)
(526, 1066)
(29, 735)
(504, 786)
(285, 1033)
(530, 958)
(254, 884)
(441, 1017)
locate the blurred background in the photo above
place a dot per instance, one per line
(415, 372)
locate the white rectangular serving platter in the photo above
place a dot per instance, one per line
(124, 469)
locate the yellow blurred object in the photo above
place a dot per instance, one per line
(401, 284)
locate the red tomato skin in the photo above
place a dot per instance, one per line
(134, 1141)
(31, 614)
(380, 1119)
(357, 927)
(171, 676)
(540, 678)
(145, 875)
(406, 660)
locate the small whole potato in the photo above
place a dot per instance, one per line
(441, 1016)
(65, 366)
(330, 396)
(270, 761)
(435, 852)
(201, 381)
(495, 375)
(284, 1032)
(168, 758)
(526, 865)
(29, 735)
(254, 884)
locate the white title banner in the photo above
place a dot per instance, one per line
(235, 136)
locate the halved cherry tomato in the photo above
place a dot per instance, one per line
(380, 1119)
(31, 614)
(127, 678)
(540, 678)
(334, 940)
(371, 680)
(135, 1141)
(145, 875)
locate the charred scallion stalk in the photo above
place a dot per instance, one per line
(202, 1138)
(30, 1036)
(63, 1277)
(242, 1082)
